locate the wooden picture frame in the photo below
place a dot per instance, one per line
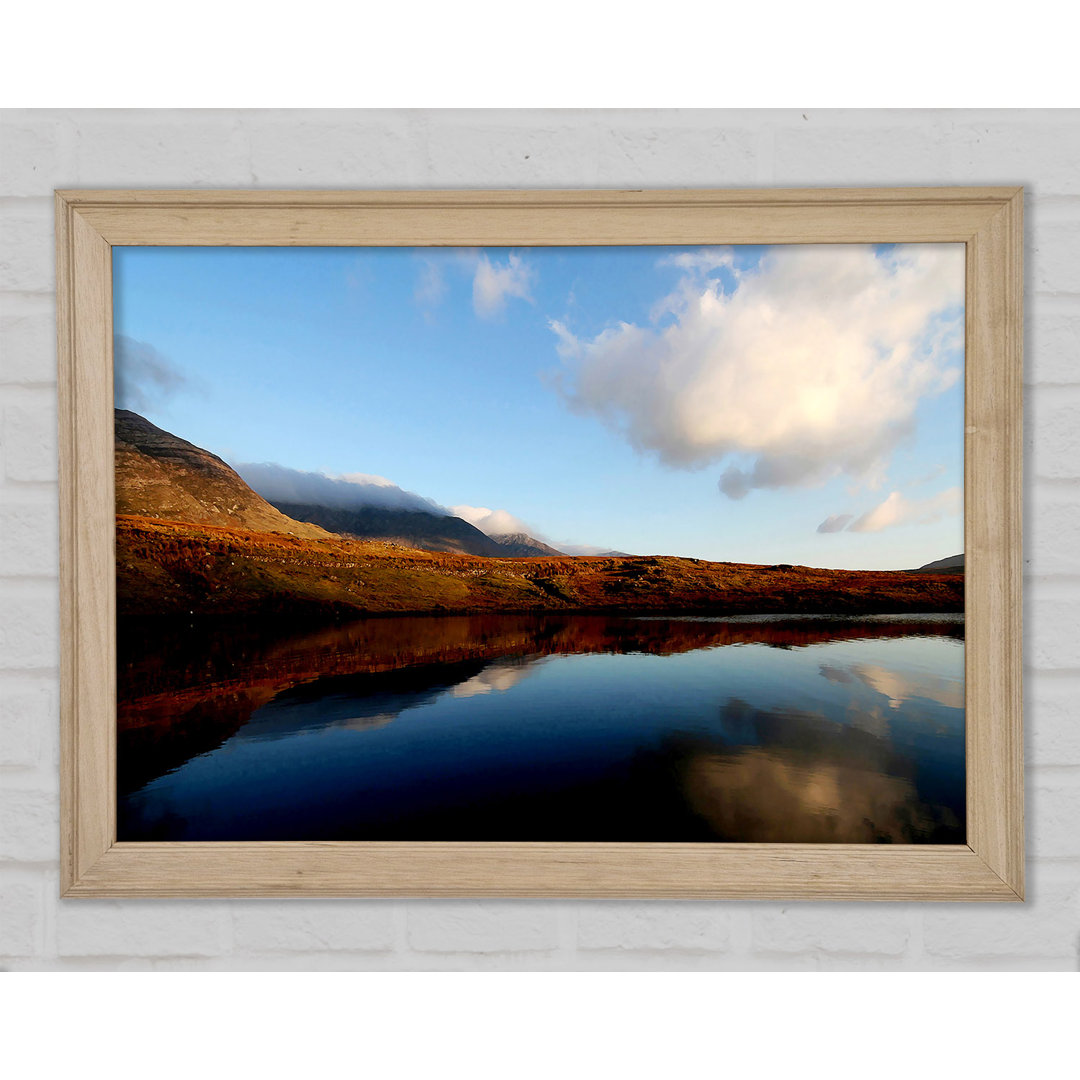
(990, 866)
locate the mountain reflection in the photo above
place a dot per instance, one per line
(166, 666)
(811, 730)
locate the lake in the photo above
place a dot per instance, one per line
(545, 728)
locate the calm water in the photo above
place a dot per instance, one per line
(545, 728)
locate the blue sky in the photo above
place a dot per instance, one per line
(718, 403)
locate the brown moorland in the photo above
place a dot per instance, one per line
(181, 568)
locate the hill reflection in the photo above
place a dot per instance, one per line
(746, 772)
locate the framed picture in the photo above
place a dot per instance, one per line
(645, 543)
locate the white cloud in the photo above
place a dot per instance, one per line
(897, 510)
(584, 549)
(493, 283)
(492, 522)
(366, 479)
(810, 368)
(431, 285)
(701, 259)
(143, 377)
(498, 523)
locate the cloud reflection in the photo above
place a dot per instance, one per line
(807, 779)
(900, 686)
(499, 676)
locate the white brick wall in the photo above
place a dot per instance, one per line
(304, 927)
(141, 928)
(482, 926)
(46, 149)
(626, 925)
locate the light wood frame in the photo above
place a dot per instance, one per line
(988, 220)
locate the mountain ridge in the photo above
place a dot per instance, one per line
(953, 564)
(522, 545)
(163, 477)
(409, 528)
(160, 475)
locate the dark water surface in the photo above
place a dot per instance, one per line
(561, 728)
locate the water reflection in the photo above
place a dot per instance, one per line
(546, 728)
(501, 676)
(802, 778)
(899, 686)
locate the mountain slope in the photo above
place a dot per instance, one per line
(521, 545)
(161, 476)
(410, 528)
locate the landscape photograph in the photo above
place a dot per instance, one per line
(558, 544)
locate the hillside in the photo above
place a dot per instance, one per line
(162, 476)
(182, 568)
(159, 475)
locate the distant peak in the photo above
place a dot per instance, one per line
(954, 564)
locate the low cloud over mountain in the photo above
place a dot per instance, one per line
(372, 506)
(351, 491)
(492, 522)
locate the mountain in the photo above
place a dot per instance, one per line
(416, 529)
(161, 476)
(410, 528)
(954, 564)
(522, 546)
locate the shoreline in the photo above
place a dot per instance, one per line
(185, 569)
